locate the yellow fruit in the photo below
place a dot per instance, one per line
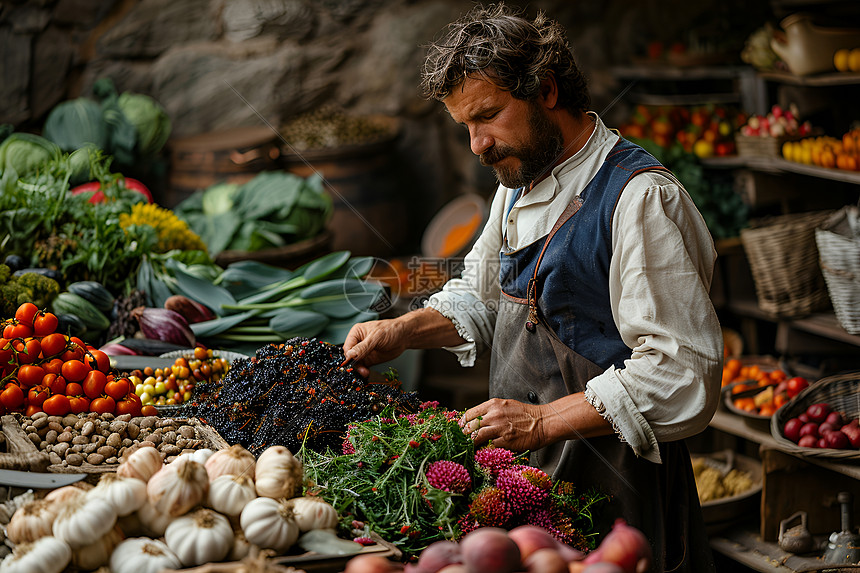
(788, 150)
(703, 148)
(840, 60)
(854, 60)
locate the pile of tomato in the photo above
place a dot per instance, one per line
(776, 387)
(46, 371)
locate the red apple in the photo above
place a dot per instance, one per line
(836, 440)
(809, 429)
(808, 442)
(835, 419)
(818, 412)
(791, 430)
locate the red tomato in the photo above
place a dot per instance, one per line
(53, 344)
(45, 323)
(30, 375)
(103, 405)
(75, 370)
(32, 409)
(57, 405)
(73, 352)
(796, 385)
(74, 389)
(53, 366)
(94, 384)
(7, 329)
(56, 384)
(94, 187)
(130, 405)
(26, 313)
(98, 360)
(38, 394)
(12, 396)
(118, 388)
(6, 351)
(79, 404)
(21, 330)
(148, 410)
(27, 351)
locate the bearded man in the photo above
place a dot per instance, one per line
(589, 282)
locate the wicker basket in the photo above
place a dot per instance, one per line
(784, 263)
(763, 146)
(841, 392)
(838, 241)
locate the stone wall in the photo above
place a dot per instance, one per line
(217, 64)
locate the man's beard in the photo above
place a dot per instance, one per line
(545, 144)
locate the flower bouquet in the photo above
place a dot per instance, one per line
(416, 479)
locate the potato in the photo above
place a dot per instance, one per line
(490, 549)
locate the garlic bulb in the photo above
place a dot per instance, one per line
(269, 524)
(96, 554)
(141, 555)
(178, 487)
(228, 494)
(241, 546)
(311, 512)
(61, 494)
(45, 555)
(153, 522)
(279, 473)
(200, 456)
(125, 494)
(84, 520)
(200, 537)
(32, 521)
(235, 460)
(142, 464)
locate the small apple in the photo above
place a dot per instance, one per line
(808, 442)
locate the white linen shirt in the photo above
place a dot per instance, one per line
(659, 277)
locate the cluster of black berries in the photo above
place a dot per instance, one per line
(292, 393)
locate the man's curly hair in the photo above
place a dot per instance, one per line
(515, 54)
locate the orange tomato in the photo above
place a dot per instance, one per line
(733, 366)
(767, 409)
(745, 404)
(779, 400)
(740, 388)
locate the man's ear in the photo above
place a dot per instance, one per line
(549, 91)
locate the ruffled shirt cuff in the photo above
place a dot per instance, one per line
(474, 329)
(608, 396)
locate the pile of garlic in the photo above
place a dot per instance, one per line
(203, 507)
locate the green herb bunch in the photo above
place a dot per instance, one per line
(417, 479)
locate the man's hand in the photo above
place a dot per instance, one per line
(370, 343)
(510, 424)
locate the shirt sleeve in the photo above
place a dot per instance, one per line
(660, 276)
(471, 301)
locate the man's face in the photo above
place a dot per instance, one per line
(515, 137)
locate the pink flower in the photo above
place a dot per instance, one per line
(490, 508)
(494, 460)
(449, 476)
(526, 488)
(429, 404)
(364, 541)
(348, 448)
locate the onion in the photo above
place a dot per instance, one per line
(165, 325)
(114, 349)
(625, 546)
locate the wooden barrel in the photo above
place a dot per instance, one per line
(369, 204)
(233, 155)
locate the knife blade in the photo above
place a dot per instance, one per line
(38, 480)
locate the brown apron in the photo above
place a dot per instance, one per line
(534, 366)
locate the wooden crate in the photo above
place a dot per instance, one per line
(791, 484)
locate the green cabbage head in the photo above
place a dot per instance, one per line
(150, 120)
(74, 123)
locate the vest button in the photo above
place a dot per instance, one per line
(530, 326)
(533, 398)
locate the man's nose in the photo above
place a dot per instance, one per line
(479, 141)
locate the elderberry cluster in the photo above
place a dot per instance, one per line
(292, 393)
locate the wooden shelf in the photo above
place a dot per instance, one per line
(780, 165)
(745, 545)
(824, 324)
(733, 424)
(669, 72)
(819, 80)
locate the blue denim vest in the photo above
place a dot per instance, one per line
(571, 272)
